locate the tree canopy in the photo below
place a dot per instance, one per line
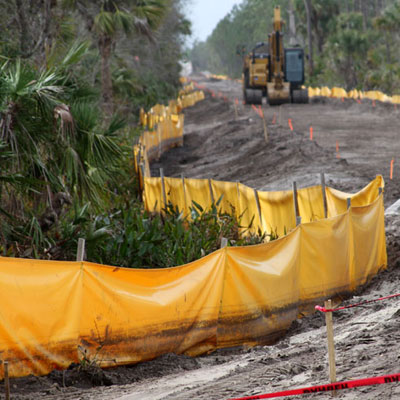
(350, 43)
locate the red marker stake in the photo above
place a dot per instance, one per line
(311, 133)
(337, 149)
(290, 124)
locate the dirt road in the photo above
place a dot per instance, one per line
(218, 145)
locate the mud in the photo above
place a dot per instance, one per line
(220, 146)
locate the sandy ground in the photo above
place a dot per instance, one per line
(218, 145)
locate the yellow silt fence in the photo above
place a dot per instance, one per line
(270, 212)
(163, 129)
(57, 313)
(337, 92)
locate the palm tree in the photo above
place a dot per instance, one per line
(105, 18)
(55, 138)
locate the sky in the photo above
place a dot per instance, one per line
(205, 15)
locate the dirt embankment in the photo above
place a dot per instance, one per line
(218, 145)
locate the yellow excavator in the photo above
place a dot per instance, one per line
(273, 71)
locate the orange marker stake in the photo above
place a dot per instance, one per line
(260, 112)
(337, 149)
(391, 168)
(311, 133)
(373, 103)
(358, 101)
(274, 119)
(255, 109)
(342, 99)
(290, 124)
(237, 101)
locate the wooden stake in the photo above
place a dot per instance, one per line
(184, 192)
(258, 205)
(238, 199)
(6, 381)
(295, 202)
(143, 170)
(163, 187)
(264, 124)
(159, 142)
(80, 255)
(323, 189)
(348, 202)
(211, 191)
(331, 345)
(235, 104)
(280, 116)
(138, 161)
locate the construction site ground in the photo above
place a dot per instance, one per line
(221, 145)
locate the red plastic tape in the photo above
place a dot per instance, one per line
(327, 388)
(323, 309)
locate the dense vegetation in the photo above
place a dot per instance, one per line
(69, 70)
(350, 43)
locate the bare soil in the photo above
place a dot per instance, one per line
(220, 146)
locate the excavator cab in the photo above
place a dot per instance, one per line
(294, 74)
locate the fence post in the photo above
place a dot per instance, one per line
(323, 188)
(331, 345)
(295, 202)
(143, 170)
(80, 255)
(224, 242)
(6, 381)
(184, 194)
(264, 126)
(211, 191)
(280, 115)
(258, 206)
(163, 187)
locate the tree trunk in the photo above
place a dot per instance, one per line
(364, 10)
(25, 36)
(307, 4)
(292, 25)
(105, 43)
